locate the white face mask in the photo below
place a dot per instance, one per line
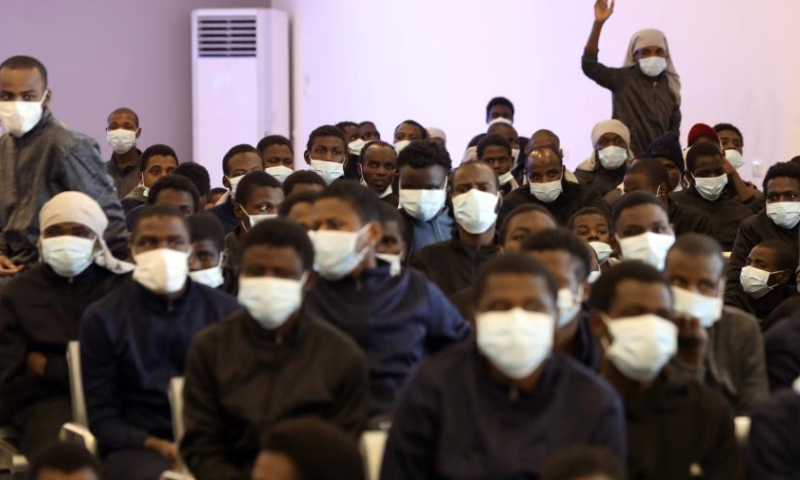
(708, 310)
(641, 345)
(234, 181)
(335, 252)
(611, 158)
(602, 250)
(394, 262)
(476, 211)
(594, 275)
(648, 247)
(68, 256)
(400, 145)
(569, 305)
(755, 282)
(506, 177)
(270, 300)
(121, 140)
(514, 154)
(19, 118)
(355, 147)
(653, 66)
(256, 219)
(162, 271)
(515, 341)
(711, 188)
(145, 191)
(210, 277)
(500, 120)
(422, 204)
(329, 171)
(784, 214)
(547, 192)
(734, 158)
(280, 172)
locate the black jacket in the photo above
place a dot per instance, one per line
(574, 197)
(225, 215)
(686, 219)
(452, 265)
(773, 445)
(782, 352)
(230, 399)
(601, 179)
(726, 214)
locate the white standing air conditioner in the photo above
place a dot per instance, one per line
(240, 80)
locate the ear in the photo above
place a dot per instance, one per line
(598, 326)
(781, 277)
(138, 132)
(360, 169)
(140, 176)
(225, 182)
(374, 233)
(587, 289)
(239, 212)
(49, 94)
(311, 280)
(307, 157)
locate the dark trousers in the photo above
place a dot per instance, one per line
(134, 464)
(40, 423)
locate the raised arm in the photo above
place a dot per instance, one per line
(603, 75)
(602, 12)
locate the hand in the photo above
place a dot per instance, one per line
(7, 267)
(603, 10)
(726, 165)
(165, 448)
(692, 340)
(36, 361)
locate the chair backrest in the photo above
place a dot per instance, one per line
(176, 406)
(372, 444)
(79, 414)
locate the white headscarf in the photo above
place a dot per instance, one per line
(77, 207)
(434, 132)
(650, 37)
(606, 126)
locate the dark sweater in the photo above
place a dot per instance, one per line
(456, 422)
(686, 219)
(574, 197)
(726, 214)
(132, 343)
(40, 311)
(763, 307)
(230, 399)
(773, 445)
(782, 352)
(601, 179)
(451, 265)
(226, 216)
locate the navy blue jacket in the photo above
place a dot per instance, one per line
(396, 320)
(782, 352)
(773, 445)
(456, 422)
(225, 215)
(132, 343)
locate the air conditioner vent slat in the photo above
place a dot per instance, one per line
(226, 37)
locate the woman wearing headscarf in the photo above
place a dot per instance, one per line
(605, 168)
(646, 91)
(41, 308)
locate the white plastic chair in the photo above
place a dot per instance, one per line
(176, 407)
(78, 428)
(742, 429)
(372, 444)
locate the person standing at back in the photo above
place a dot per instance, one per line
(122, 131)
(40, 158)
(646, 91)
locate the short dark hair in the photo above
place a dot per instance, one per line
(363, 200)
(315, 448)
(561, 239)
(66, 457)
(178, 183)
(236, 150)
(781, 169)
(162, 210)
(23, 62)
(152, 151)
(279, 232)
(588, 211)
(493, 140)
(270, 140)
(425, 154)
(795, 160)
(289, 202)
(701, 150)
(197, 174)
(425, 135)
(604, 289)
(217, 191)
(326, 131)
(392, 214)
(204, 226)
(513, 263)
(785, 254)
(302, 176)
(127, 111)
(653, 169)
(253, 180)
(347, 123)
(519, 210)
(374, 143)
(476, 140)
(698, 245)
(583, 461)
(498, 101)
(632, 200)
(367, 122)
(727, 126)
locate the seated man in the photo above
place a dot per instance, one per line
(299, 208)
(593, 226)
(214, 196)
(135, 340)
(277, 153)
(368, 132)
(773, 446)
(395, 319)
(326, 153)
(301, 181)
(392, 247)
(174, 190)
(675, 426)
(406, 132)
(549, 188)
(40, 311)
(65, 461)
(568, 260)
(198, 175)
(237, 162)
(705, 167)
(310, 367)
(205, 262)
(767, 281)
(610, 157)
(667, 150)
(423, 170)
(642, 229)
(734, 359)
(496, 151)
(500, 406)
(377, 168)
(155, 162)
(453, 265)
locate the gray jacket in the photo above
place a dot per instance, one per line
(46, 161)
